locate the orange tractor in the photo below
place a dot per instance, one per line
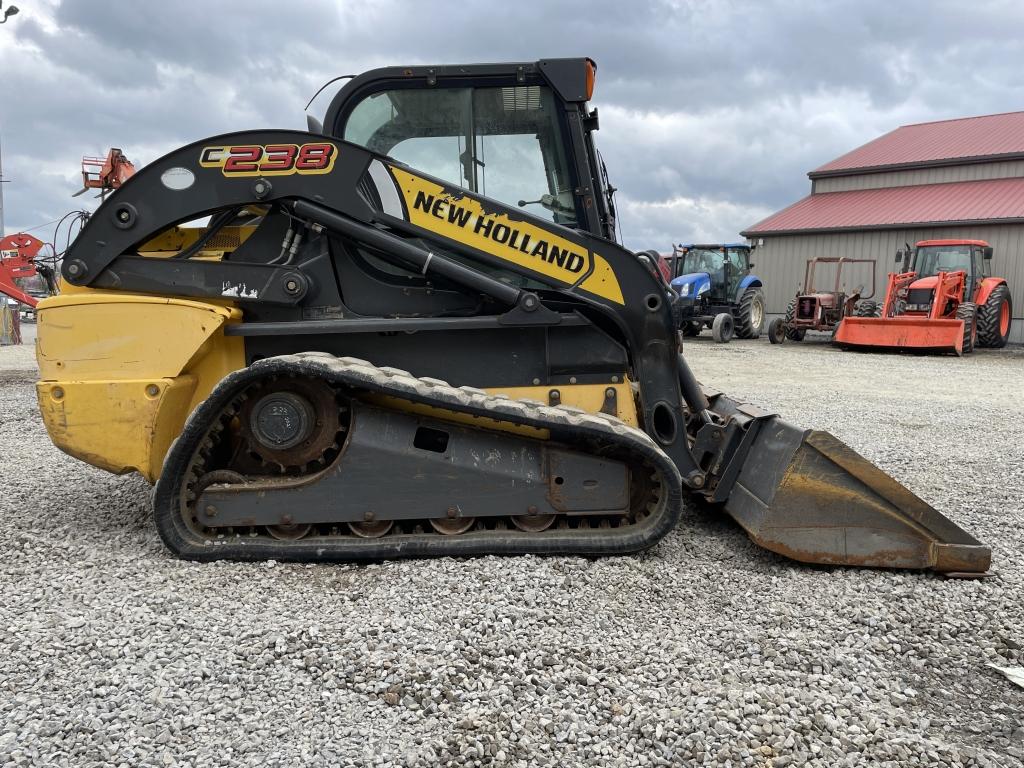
(945, 301)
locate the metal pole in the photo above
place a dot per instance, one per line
(2, 231)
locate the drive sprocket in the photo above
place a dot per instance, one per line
(308, 408)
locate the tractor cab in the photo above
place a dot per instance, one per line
(932, 258)
(713, 269)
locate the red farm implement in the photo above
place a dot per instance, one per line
(17, 261)
(105, 173)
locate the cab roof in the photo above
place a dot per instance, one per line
(714, 245)
(572, 79)
(926, 243)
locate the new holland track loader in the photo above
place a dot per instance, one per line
(410, 332)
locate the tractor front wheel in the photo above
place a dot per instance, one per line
(967, 312)
(722, 328)
(750, 314)
(993, 318)
(777, 331)
(867, 308)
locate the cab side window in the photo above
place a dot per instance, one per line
(503, 142)
(980, 266)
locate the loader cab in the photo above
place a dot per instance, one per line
(521, 134)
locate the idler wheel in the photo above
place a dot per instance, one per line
(533, 523)
(452, 526)
(372, 530)
(289, 531)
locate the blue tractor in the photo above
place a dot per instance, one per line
(716, 290)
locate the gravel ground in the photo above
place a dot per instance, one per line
(705, 650)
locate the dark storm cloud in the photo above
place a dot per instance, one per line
(712, 112)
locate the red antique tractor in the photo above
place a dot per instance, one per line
(813, 310)
(945, 302)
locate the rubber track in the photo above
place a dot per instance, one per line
(572, 426)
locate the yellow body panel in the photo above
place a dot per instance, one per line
(119, 426)
(120, 373)
(603, 282)
(589, 397)
(176, 239)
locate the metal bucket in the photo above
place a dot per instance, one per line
(903, 332)
(807, 495)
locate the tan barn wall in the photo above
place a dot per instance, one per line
(968, 172)
(781, 260)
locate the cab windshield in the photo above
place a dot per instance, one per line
(702, 260)
(504, 143)
(712, 260)
(932, 259)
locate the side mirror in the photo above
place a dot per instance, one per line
(988, 252)
(899, 256)
(751, 265)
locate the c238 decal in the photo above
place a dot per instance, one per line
(270, 159)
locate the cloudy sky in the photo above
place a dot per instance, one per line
(712, 111)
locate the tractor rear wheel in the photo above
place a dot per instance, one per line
(793, 334)
(722, 328)
(867, 308)
(967, 312)
(993, 318)
(750, 314)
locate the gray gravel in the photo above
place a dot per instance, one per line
(703, 651)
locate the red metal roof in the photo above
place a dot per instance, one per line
(959, 201)
(925, 143)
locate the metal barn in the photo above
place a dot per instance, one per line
(950, 179)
